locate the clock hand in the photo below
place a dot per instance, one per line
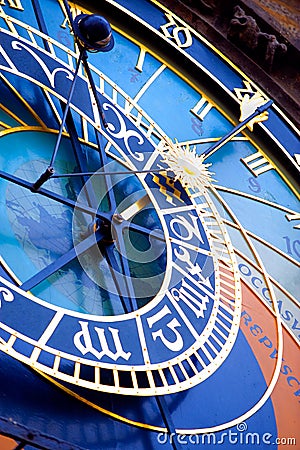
(189, 167)
(108, 253)
(119, 172)
(161, 402)
(102, 216)
(105, 217)
(133, 209)
(257, 114)
(59, 263)
(122, 279)
(83, 57)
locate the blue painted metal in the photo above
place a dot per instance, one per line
(54, 196)
(232, 390)
(237, 128)
(207, 60)
(31, 438)
(65, 259)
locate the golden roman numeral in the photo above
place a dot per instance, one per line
(257, 163)
(180, 34)
(202, 108)
(293, 216)
(141, 59)
(15, 4)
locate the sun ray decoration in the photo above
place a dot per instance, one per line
(187, 165)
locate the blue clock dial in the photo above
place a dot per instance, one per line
(40, 225)
(115, 264)
(157, 261)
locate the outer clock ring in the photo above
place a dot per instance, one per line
(232, 283)
(82, 339)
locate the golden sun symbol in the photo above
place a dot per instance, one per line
(187, 166)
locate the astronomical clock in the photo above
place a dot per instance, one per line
(149, 239)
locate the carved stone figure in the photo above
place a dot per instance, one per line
(244, 31)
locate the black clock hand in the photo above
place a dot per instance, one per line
(99, 173)
(81, 162)
(59, 263)
(105, 217)
(260, 110)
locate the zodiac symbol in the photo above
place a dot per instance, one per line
(193, 269)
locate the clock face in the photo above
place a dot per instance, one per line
(157, 263)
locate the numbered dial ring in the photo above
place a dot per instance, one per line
(185, 332)
(177, 340)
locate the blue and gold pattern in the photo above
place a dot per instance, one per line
(219, 255)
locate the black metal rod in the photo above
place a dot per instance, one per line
(94, 90)
(167, 418)
(237, 129)
(56, 197)
(121, 172)
(69, 121)
(63, 122)
(50, 169)
(86, 66)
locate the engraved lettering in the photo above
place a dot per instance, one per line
(176, 345)
(193, 298)
(6, 295)
(191, 228)
(83, 341)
